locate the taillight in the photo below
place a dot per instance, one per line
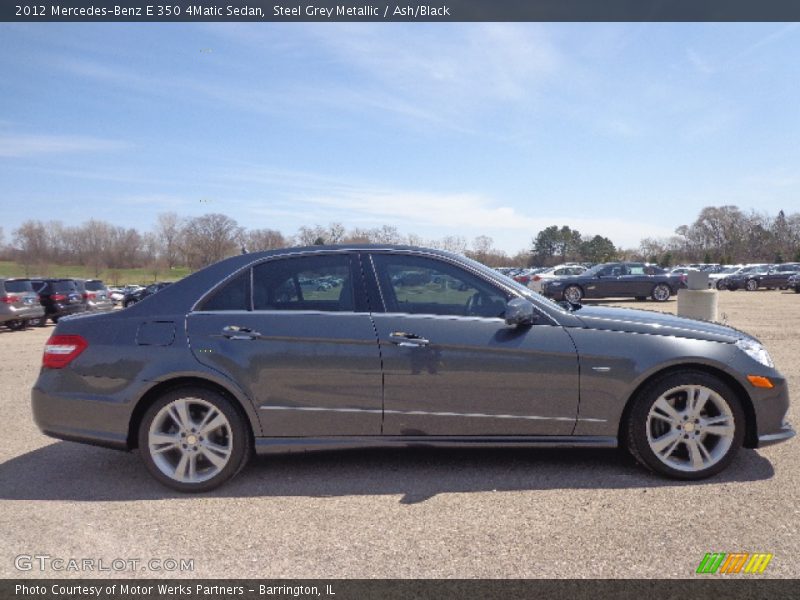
(90, 296)
(60, 350)
(537, 278)
(58, 297)
(9, 299)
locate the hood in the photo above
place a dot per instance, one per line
(655, 323)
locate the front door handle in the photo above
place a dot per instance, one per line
(412, 340)
(234, 332)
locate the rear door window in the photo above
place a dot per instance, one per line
(320, 282)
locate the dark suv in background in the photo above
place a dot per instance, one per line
(60, 297)
(19, 304)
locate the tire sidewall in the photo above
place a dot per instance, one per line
(240, 434)
(575, 287)
(661, 285)
(637, 422)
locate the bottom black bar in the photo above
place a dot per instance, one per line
(714, 587)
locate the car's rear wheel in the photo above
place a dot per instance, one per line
(751, 285)
(573, 294)
(16, 324)
(686, 425)
(720, 285)
(193, 440)
(661, 292)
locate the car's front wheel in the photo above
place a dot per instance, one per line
(752, 285)
(573, 294)
(661, 292)
(16, 324)
(193, 440)
(686, 425)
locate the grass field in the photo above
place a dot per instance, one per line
(109, 276)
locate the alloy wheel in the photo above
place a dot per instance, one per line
(690, 428)
(190, 440)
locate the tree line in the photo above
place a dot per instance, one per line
(720, 234)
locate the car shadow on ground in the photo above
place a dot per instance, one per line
(64, 471)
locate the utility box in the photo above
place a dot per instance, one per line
(697, 280)
(698, 301)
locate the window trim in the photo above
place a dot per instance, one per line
(360, 299)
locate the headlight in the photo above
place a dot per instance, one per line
(755, 351)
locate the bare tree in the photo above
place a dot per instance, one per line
(264, 239)
(30, 239)
(210, 238)
(168, 233)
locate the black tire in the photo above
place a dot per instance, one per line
(573, 294)
(54, 319)
(639, 428)
(16, 324)
(720, 285)
(235, 435)
(40, 322)
(751, 285)
(797, 290)
(661, 292)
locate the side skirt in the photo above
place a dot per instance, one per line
(281, 445)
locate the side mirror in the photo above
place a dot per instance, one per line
(520, 313)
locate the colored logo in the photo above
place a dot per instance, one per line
(727, 564)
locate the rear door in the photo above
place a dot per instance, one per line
(296, 335)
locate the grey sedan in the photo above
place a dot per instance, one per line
(414, 347)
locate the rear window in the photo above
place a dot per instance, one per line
(95, 285)
(18, 286)
(62, 286)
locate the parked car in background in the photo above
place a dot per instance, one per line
(793, 283)
(525, 275)
(538, 279)
(60, 297)
(715, 280)
(237, 359)
(616, 280)
(746, 278)
(778, 276)
(142, 293)
(19, 304)
(95, 293)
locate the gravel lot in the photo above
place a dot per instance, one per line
(416, 513)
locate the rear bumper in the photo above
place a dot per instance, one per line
(62, 310)
(100, 421)
(27, 312)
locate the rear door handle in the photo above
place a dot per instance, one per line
(234, 332)
(408, 340)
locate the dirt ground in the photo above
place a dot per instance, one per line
(391, 513)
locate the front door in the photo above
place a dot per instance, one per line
(452, 366)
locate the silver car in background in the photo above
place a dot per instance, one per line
(19, 304)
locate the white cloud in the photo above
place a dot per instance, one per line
(22, 145)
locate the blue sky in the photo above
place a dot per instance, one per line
(623, 130)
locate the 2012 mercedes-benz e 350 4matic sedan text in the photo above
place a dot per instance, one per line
(331, 347)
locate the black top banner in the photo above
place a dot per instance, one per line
(401, 10)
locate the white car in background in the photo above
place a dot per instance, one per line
(537, 281)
